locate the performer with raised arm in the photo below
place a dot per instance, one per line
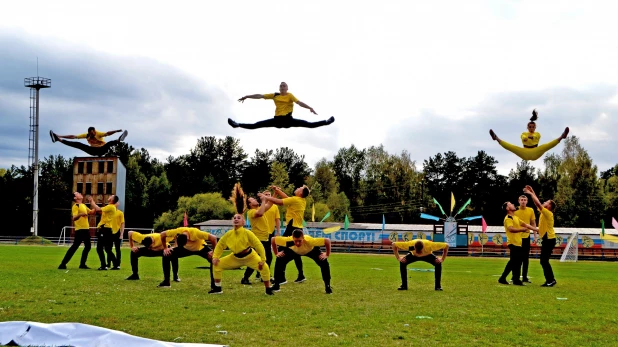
(284, 105)
(98, 147)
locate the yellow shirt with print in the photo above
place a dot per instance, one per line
(82, 222)
(534, 141)
(117, 221)
(157, 245)
(527, 216)
(196, 240)
(428, 247)
(238, 240)
(512, 238)
(546, 224)
(295, 209)
(307, 246)
(271, 216)
(96, 141)
(107, 215)
(259, 225)
(284, 104)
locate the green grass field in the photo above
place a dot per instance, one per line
(365, 309)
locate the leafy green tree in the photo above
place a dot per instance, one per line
(199, 208)
(349, 167)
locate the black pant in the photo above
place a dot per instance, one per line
(181, 252)
(145, 252)
(547, 248)
(269, 259)
(104, 241)
(93, 151)
(286, 121)
(514, 264)
(525, 257)
(82, 235)
(282, 262)
(116, 241)
(289, 229)
(431, 259)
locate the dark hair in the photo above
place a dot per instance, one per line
(552, 204)
(418, 245)
(305, 192)
(90, 128)
(147, 241)
(116, 199)
(181, 240)
(534, 117)
(297, 233)
(504, 206)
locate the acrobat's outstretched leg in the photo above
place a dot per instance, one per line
(529, 153)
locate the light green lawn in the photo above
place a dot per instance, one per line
(365, 309)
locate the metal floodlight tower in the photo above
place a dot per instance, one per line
(35, 84)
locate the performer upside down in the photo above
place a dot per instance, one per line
(530, 141)
(284, 105)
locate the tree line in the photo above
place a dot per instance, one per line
(364, 184)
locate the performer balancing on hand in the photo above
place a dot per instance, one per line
(284, 105)
(97, 147)
(530, 140)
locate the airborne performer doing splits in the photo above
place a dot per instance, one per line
(284, 103)
(97, 147)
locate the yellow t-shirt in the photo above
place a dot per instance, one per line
(295, 209)
(107, 214)
(196, 237)
(284, 104)
(527, 216)
(237, 241)
(271, 217)
(117, 221)
(156, 239)
(546, 224)
(82, 222)
(428, 247)
(512, 238)
(96, 141)
(536, 137)
(307, 246)
(259, 225)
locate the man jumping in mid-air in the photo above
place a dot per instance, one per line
(284, 103)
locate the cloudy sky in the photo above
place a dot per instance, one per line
(427, 77)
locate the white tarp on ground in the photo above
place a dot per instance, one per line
(75, 334)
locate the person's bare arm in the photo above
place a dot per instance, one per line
(279, 192)
(302, 104)
(528, 190)
(263, 208)
(324, 256)
(111, 132)
(400, 259)
(93, 205)
(274, 200)
(443, 257)
(252, 96)
(213, 240)
(278, 226)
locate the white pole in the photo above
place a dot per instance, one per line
(35, 199)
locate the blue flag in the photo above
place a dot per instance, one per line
(383, 222)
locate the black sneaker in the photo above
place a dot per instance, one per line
(53, 136)
(328, 289)
(518, 283)
(402, 288)
(123, 136)
(62, 267)
(300, 279)
(216, 290)
(133, 277)
(245, 281)
(269, 291)
(283, 282)
(232, 123)
(330, 120)
(275, 287)
(438, 289)
(85, 267)
(526, 280)
(550, 284)
(115, 268)
(176, 279)
(165, 284)
(102, 268)
(503, 281)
